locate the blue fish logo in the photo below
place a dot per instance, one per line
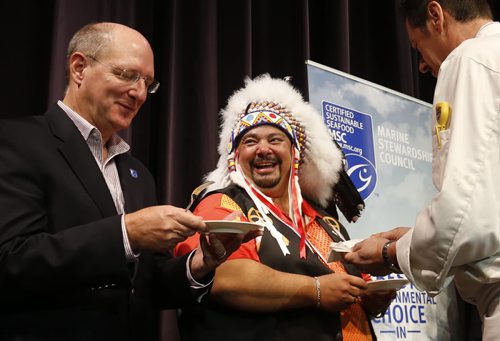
(362, 173)
(352, 130)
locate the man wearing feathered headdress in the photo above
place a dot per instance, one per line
(277, 167)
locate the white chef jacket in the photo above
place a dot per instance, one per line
(458, 234)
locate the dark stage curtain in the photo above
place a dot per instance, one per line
(203, 51)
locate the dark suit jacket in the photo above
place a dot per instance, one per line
(63, 271)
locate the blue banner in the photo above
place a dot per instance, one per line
(386, 138)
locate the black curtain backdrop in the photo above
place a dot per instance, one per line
(203, 51)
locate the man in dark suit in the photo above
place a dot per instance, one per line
(83, 251)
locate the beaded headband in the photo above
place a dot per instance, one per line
(268, 113)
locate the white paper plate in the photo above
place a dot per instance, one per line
(337, 248)
(228, 226)
(345, 246)
(387, 284)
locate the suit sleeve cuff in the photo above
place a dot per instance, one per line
(199, 290)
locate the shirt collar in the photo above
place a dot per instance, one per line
(309, 211)
(116, 145)
(485, 28)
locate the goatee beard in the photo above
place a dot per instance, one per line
(267, 181)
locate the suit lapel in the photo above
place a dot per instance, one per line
(129, 181)
(77, 154)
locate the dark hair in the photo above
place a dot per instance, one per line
(415, 11)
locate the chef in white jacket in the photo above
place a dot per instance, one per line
(456, 237)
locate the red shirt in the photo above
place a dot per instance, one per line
(216, 207)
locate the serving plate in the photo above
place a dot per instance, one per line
(387, 284)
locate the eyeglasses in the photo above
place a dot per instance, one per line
(131, 76)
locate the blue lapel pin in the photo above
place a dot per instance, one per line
(134, 173)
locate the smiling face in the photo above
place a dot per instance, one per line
(265, 156)
(98, 94)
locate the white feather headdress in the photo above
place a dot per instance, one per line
(321, 159)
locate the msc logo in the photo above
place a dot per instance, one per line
(362, 173)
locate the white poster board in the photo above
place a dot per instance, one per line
(386, 138)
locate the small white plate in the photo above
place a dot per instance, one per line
(345, 246)
(387, 284)
(229, 226)
(337, 248)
